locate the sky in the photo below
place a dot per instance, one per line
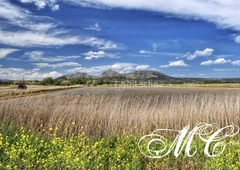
(52, 38)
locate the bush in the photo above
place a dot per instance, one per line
(47, 81)
(94, 82)
(65, 82)
(88, 82)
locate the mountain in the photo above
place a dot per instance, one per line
(78, 75)
(146, 74)
(111, 74)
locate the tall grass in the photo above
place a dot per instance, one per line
(7, 92)
(111, 114)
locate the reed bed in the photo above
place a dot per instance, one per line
(113, 114)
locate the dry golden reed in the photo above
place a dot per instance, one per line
(109, 114)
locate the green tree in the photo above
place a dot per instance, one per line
(84, 81)
(88, 82)
(72, 82)
(47, 81)
(94, 82)
(79, 81)
(100, 82)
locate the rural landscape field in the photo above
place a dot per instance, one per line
(119, 85)
(100, 127)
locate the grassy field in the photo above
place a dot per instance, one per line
(212, 85)
(189, 85)
(101, 131)
(7, 91)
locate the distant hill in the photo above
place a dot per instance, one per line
(143, 75)
(146, 74)
(111, 74)
(78, 75)
(4, 80)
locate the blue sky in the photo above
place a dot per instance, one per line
(187, 38)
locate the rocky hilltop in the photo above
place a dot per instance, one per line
(110, 74)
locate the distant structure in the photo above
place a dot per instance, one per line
(22, 86)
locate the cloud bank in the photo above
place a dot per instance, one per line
(40, 31)
(224, 14)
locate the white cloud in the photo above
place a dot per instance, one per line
(142, 67)
(154, 46)
(224, 14)
(33, 39)
(43, 3)
(236, 62)
(205, 53)
(57, 65)
(237, 39)
(101, 44)
(29, 39)
(39, 76)
(86, 3)
(41, 27)
(100, 54)
(41, 56)
(12, 73)
(123, 67)
(143, 52)
(94, 55)
(217, 61)
(179, 63)
(5, 51)
(35, 55)
(96, 27)
(19, 73)
(11, 12)
(96, 70)
(21, 17)
(53, 74)
(40, 30)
